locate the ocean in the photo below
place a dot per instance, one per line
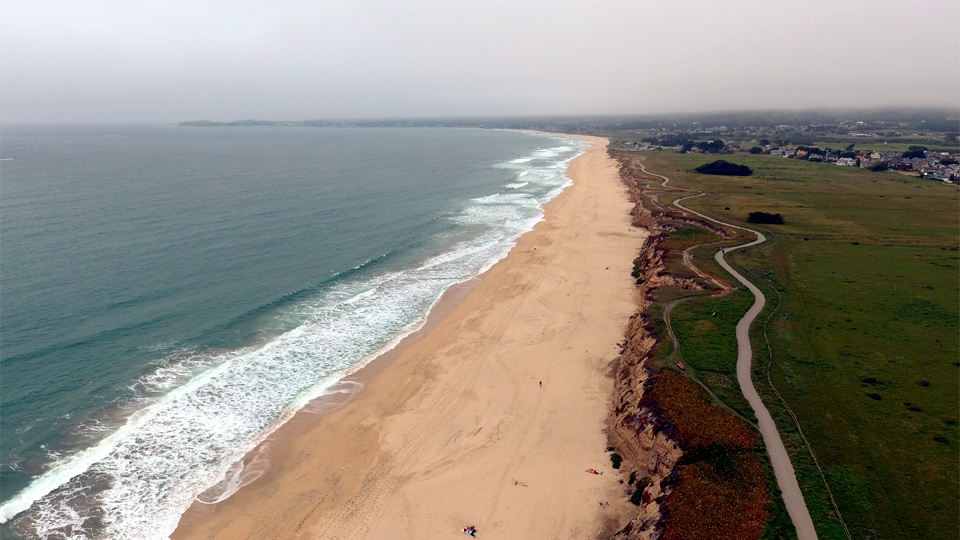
(170, 296)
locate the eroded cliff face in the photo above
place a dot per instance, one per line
(646, 430)
(635, 431)
(647, 450)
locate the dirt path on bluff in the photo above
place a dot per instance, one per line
(783, 469)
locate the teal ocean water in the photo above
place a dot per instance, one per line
(170, 296)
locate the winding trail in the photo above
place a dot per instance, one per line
(667, 309)
(783, 469)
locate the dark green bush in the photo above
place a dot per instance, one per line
(616, 459)
(764, 217)
(724, 168)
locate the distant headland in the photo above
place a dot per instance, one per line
(244, 123)
(798, 126)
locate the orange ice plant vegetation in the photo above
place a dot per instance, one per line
(725, 498)
(720, 487)
(700, 427)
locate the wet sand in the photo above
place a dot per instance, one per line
(488, 417)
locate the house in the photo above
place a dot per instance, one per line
(903, 166)
(846, 162)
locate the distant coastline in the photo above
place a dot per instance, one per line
(794, 125)
(246, 123)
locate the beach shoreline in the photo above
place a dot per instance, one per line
(257, 461)
(488, 415)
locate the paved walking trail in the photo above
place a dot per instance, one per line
(786, 478)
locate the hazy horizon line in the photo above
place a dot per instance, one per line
(933, 109)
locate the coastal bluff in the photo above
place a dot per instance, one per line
(677, 442)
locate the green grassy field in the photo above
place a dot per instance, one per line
(868, 267)
(713, 349)
(708, 347)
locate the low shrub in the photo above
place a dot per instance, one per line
(616, 459)
(637, 267)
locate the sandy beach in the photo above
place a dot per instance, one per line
(489, 417)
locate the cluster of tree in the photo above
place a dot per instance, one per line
(764, 217)
(711, 147)
(915, 152)
(669, 140)
(812, 150)
(707, 147)
(724, 168)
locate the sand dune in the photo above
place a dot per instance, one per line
(458, 429)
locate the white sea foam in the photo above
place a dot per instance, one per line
(238, 475)
(199, 415)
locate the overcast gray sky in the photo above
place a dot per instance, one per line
(173, 60)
